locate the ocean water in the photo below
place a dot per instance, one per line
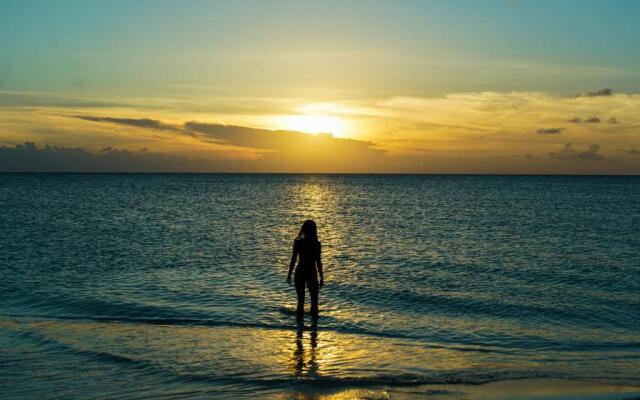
(173, 286)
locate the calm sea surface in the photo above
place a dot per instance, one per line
(134, 286)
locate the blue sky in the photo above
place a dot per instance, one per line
(283, 45)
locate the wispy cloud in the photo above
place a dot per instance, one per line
(568, 152)
(137, 122)
(633, 152)
(550, 131)
(591, 120)
(599, 93)
(588, 120)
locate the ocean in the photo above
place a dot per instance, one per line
(174, 285)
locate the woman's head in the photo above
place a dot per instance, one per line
(309, 231)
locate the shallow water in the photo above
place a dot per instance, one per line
(156, 286)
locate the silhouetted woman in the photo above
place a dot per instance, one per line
(307, 247)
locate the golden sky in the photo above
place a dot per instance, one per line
(487, 132)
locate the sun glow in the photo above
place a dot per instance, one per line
(313, 124)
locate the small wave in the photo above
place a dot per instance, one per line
(443, 304)
(475, 346)
(212, 323)
(94, 355)
(284, 381)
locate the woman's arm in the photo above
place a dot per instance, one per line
(294, 256)
(319, 263)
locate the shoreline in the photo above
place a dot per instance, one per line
(537, 388)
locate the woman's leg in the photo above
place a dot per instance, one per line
(300, 283)
(314, 290)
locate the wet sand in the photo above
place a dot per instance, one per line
(526, 389)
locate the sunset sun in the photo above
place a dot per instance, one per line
(313, 124)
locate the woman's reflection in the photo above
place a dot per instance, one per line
(305, 362)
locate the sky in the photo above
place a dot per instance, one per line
(451, 86)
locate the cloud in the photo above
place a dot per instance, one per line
(254, 138)
(271, 139)
(568, 152)
(550, 131)
(272, 151)
(245, 136)
(532, 157)
(28, 157)
(589, 120)
(275, 149)
(600, 93)
(296, 150)
(137, 122)
(634, 151)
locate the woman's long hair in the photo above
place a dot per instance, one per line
(309, 231)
